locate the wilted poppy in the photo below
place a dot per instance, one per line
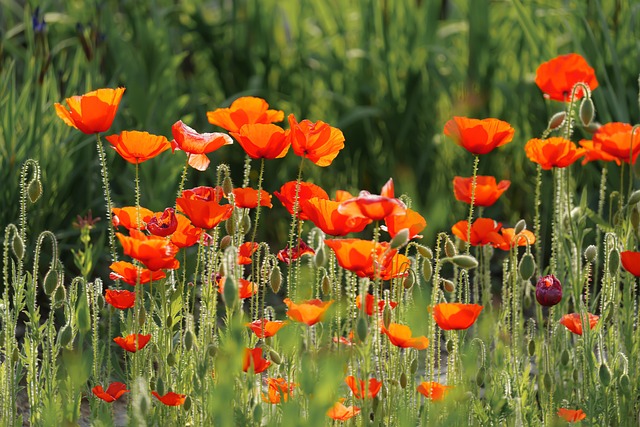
(171, 398)
(553, 152)
(487, 191)
(631, 262)
(362, 390)
(339, 412)
(594, 152)
(242, 111)
(478, 136)
(572, 415)
(400, 336)
(309, 312)
(306, 191)
(246, 251)
(133, 342)
(573, 322)
(369, 300)
(317, 141)
(509, 240)
(278, 389)
(287, 255)
(324, 215)
(434, 391)
(557, 76)
(120, 299)
(615, 139)
(186, 234)
(253, 358)
(137, 147)
(127, 217)
(197, 145)
(410, 220)
(246, 289)
(264, 328)
(548, 290)
(372, 206)
(484, 231)
(201, 205)
(92, 112)
(163, 224)
(263, 141)
(132, 274)
(113, 392)
(455, 316)
(248, 198)
(156, 253)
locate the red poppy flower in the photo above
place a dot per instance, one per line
(248, 198)
(548, 290)
(278, 389)
(359, 390)
(133, 342)
(197, 145)
(163, 224)
(324, 215)
(411, 220)
(487, 191)
(339, 412)
(372, 206)
(92, 112)
(264, 328)
(553, 152)
(286, 255)
(615, 139)
(309, 312)
(246, 251)
(113, 392)
(509, 241)
(245, 110)
(306, 191)
(478, 136)
(253, 358)
(154, 252)
(631, 262)
(171, 398)
(484, 231)
(557, 77)
(594, 152)
(433, 390)
(186, 234)
(365, 260)
(317, 141)
(246, 289)
(369, 304)
(456, 316)
(201, 206)
(343, 195)
(400, 336)
(120, 299)
(137, 147)
(132, 274)
(263, 141)
(574, 323)
(127, 217)
(572, 415)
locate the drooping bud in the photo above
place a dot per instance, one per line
(160, 387)
(548, 290)
(587, 111)
(409, 281)
(59, 296)
(225, 242)
(634, 197)
(531, 348)
(230, 224)
(275, 357)
(257, 414)
(592, 127)
(187, 403)
(605, 375)
(450, 248)
(520, 227)
(189, 339)
(34, 190)
(403, 379)
(320, 257)
(465, 261)
(413, 368)
(230, 292)
(362, 328)
(245, 225)
(65, 335)
(527, 266)
(275, 279)
(400, 239)
(18, 246)
(614, 261)
(227, 186)
(590, 253)
(326, 285)
(50, 282)
(386, 315)
(556, 120)
(449, 346)
(425, 251)
(427, 270)
(564, 357)
(171, 359)
(448, 285)
(546, 380)
(480, 376)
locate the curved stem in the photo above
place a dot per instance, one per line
(476, 161)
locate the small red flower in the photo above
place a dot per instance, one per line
(572, 415)
(278, 389)
(286, 255)
(557, 76)
(246, 251)
(113, 392)
(264, 328)
(197, 145)
(131, 274)
(317, 141)
(369, 304)
(171, 398)
(244, 110)
(92, 112)
(253, 359)
(339, 412)
(631, 262)
(484, 231)
(154, 252)
(201, 205)
(309, 312)
(163, 224)
(487, 191)
(127, 217)
(433, 390)
(479, 136)
(263, 141)
(133, 342)
(120, 299)
(306, 191)
(400, 336)
(137, 147)
(456, 316)
(361, 390)
(248, 198)
(555, 152)
(573, 322)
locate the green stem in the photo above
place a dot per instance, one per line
(292, 233)
(476, 161)
(107, 196)
(183, 178)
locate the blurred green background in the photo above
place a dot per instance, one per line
(389, 73)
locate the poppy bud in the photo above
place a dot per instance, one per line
(212, 349)
(531, 348)
(320, 257)
(15, 355)
(361, 328)
(546, 380)
(409, 281)
(34, 190)
(480, 376)
(564, 357)
(590, 253)
(275, 357)
(427, 270)
(527, 266)
(225, 242)
(245, 225)
(230, 292)
(326, 285)
(59, 296)
(50, 282)
(386, 315)
(449, 346)
(576, 375)
(18, 246)
(171, 359)
(587, 111)
(548, 290)
(465, 261)
(189, 339)
(413, 368)
(275, 280)
(556, 120)
(160, 387)
(634, 197)
(449, 248)
(520, 227)
(635, 218)
(257, 414)
(400, 239)
(448, 285)
(83, 318)
(593, 127)
(625, 384)
(605, 375)
(227, 186)
(527, 300)
(187, 403)
(425, 251)
(614, 261)
(403, 380)
(65, 335)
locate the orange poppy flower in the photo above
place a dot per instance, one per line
(478, 136)
(339, 412)
(253, 358)
(248, 198)
(246, 289)
(264, 328)
(509, 241)
(154, 252)
(171, 398)
(133, 342)
(615, 139)
(365, 260)
(594, 152)
(201, 206)
(120, 299)
(368, 306)
(137, 147)
(127, 217)
(324, 215)
(487, 191)
(309, 312)
(286, 255)
(572, 415)
(631, 262)
(484, 231)
(553, 152)
(400, 336)
(317, 141)
(163, 224)
(197, 145)
(411, 220)
(131, 274)
(573, 322)
(306, 191)
(557, 77)
(246, 251)
(456, 316)
(372, 206)
(343, 195)
(433, 390)
(92, 112)
(186, 234)
(278, 389)
(358, 387)
(263, 141)
(113, 392)
(245, 110)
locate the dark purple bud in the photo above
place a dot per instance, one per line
(38, 25)
(548, 290)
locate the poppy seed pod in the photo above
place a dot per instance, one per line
(548, 290)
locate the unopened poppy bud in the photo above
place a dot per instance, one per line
(257, 414)
(449, 346)
(400, 239)
(142, 316)
(18, 246)
(548, 290)
(556, 120)
(403, 380)
(386, 315)
(225, 242)
(448, 285)
(275, 279)
(82, 315)
(227, 186)
(480, 376)
(100, 301)
(527, 301)
(425, 251)
(634, 197)
(320, 257)
(427, 270)
(171, 359)
(592, 127)
(575, 213)
(160, 387)
(65, 335)
(576, 375)
(605, 375)
(590, 253)
(625, 384)
(15, 355)
(212, 350)
(409, 281)
(587, 111)
(546, 380)
(531, 348)
(230, 292)
(614, 261)
(527, 266)
(34, 190)
(187, 403)
(564, 357)
(376, 404)
(449, 248)
(413, 368)
(635, 218)
(520, 227)
(59, 296)
(467, 262)
(275, 357)
(245, 225)
(189, 339)
(361, 328)
(230, 225)
(50, 282)
(326, 285)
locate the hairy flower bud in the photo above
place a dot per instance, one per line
(556, 120)
(587, 111)
(548, 290)
(449, 248)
